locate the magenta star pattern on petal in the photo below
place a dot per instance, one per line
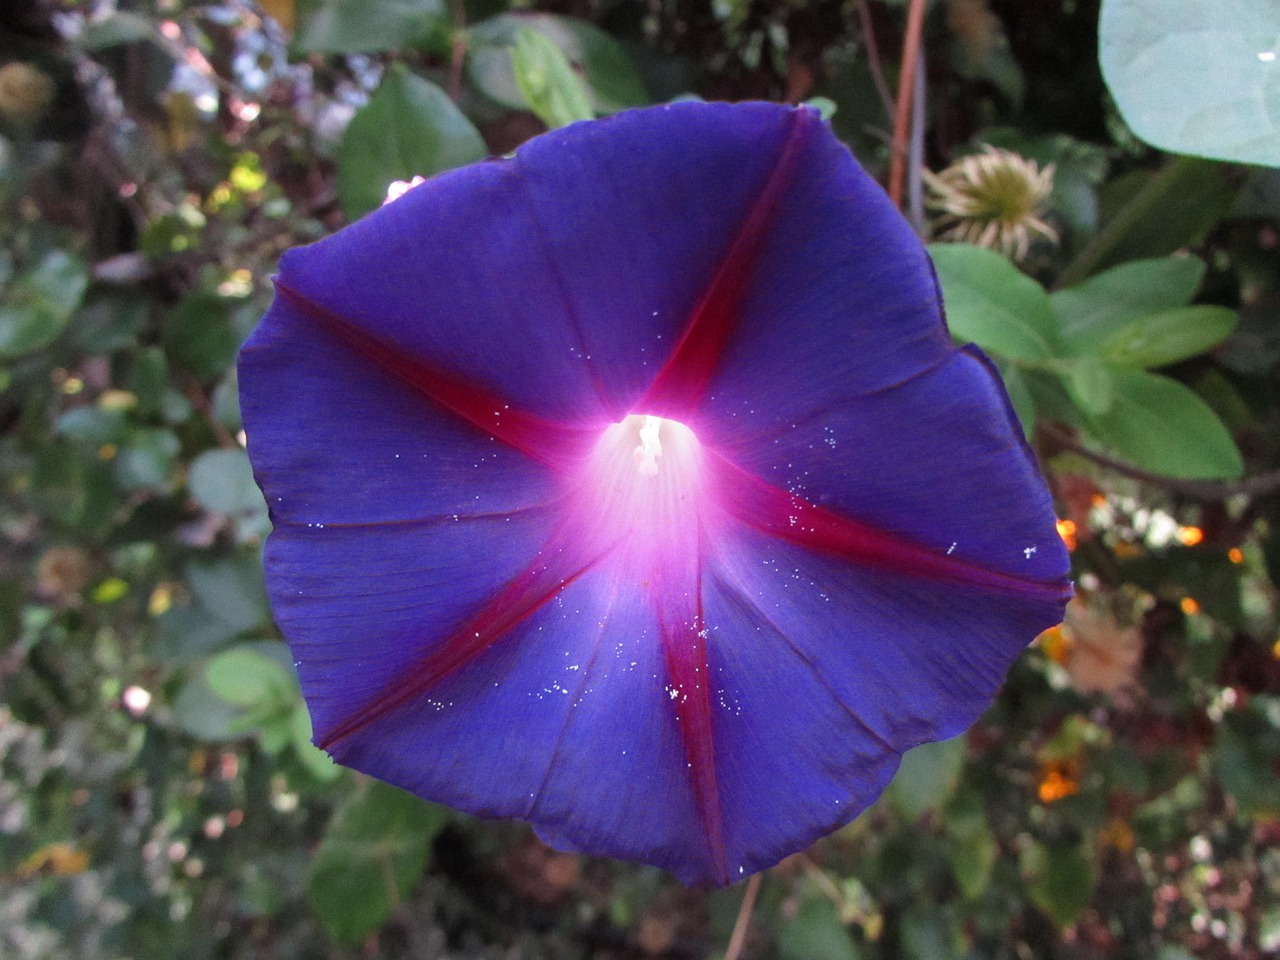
(633, 487)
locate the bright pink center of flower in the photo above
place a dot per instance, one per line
(639, 493)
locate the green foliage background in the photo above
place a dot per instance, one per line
(159, 796)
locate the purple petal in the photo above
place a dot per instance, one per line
(513, 586)
(336, 439)
(937, 461)
(566, 722)
(827, 671)
(590, 250)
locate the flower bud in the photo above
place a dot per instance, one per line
(26, 92)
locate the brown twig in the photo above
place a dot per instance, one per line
(1258, 485)
(457, 49)
(194, 392)
(739, 935)
(873, 57)
(902, 113)
(915, 152)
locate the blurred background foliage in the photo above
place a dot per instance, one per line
(159, 796)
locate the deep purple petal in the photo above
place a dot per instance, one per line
(841, 301)
(335, 439)
(825, 672)
(589, 250)
(513, 587)
(362, 607)
(937, 461)
(565, 722)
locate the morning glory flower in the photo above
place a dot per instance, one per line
(633, 487)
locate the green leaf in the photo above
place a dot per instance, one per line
(358, 26)
(231, 590)
(1195, 77)
(118, 27)
(1153, 213)
(1090, 384)
(222, 481)
(93, 426)
(1166, 337)
(375, 850)
(1245, 767)
(972, 858)
(930, 934)
(201, 336)
(610, 78)
(1060, 880)
(1105, 304)
(927, 776)
(1024, 404)
(36, 306)
(203, 714)
(991, 303)
(409, 128)
(1269, 930)
(146, 460)
(318, 763)
(108, 320)
(149, 380)
(1162, 426)
(247, 678)
(816, 933)
(546, 80)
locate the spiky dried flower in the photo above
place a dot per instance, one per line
(994, 199)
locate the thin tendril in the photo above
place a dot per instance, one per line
(739, 935)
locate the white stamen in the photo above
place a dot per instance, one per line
(650, 447)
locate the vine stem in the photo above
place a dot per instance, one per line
(739, 935)
(457, 49)
(868, 28)
(1258, 485)
(902, 112)
(1140, 204)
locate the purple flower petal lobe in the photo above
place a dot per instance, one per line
(634, 488)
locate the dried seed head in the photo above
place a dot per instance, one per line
(993, 199)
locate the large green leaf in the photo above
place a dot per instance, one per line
(1089, 384)
(1196, 76)
(927, 776)
(231, 589)
(1162, 426)
(611, 79)
(358, 26)
(546, 80)
(1153, 213)
(1168, 336)
(200, 335)
(1060, 880)
(36, 306)
(1090, 312)
(409, 128)
(373, 853)
(816, 933)
(991, 303)
(247, 678)
(222, 481)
